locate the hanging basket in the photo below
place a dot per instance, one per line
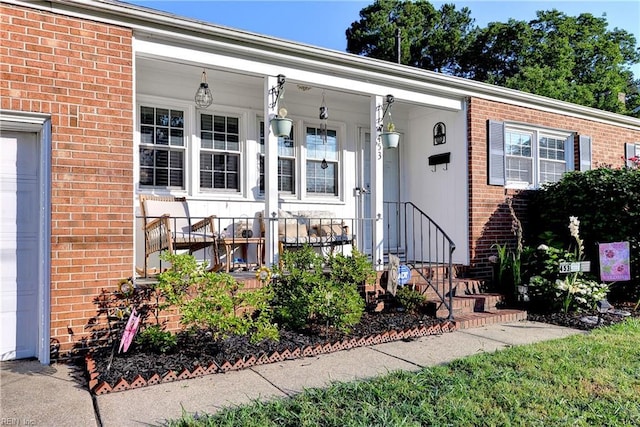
(390, 139)
(281, 126)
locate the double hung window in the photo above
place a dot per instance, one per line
(286, 162)
(523, 156)
(220, 151)
(162, 147)
(322, 161)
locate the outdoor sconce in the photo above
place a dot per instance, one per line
(204, 97)
(280, 124)
(390, 138)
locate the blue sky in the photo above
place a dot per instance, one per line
(323, 23)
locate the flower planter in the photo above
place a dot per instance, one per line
(390, 139)
(281, 126)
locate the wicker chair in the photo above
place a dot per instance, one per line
(167, 226)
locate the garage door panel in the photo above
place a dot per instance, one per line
(19, 244)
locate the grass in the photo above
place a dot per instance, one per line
(583, 380)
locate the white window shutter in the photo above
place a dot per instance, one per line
(495, 144)
(585, 153)
(631, 150)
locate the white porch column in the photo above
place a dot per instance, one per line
(377, 207)
(270, 176)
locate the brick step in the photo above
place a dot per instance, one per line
(476, 320)
(464, 304)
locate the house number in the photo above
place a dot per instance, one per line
(379, 150)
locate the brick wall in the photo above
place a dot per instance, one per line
(489, 217)
(79, 72)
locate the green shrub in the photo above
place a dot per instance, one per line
(409, 298)
(153, 338)
(607, 201)
(304, 294)
(215, 300)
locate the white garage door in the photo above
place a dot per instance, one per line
(19, 244)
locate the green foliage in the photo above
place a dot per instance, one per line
(215, 300)
(153, 338)
(607, 201)
(583, 380)
(355, 268)
(572, 58)
(409, 298)
(304, 294)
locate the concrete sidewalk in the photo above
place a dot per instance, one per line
(49, 395)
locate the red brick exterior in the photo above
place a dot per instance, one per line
(80, 72)
(489, 218)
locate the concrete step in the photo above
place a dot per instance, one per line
(479, 319)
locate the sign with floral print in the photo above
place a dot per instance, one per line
(614, 262)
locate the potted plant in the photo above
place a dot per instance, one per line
(280, 124)
(390, 138)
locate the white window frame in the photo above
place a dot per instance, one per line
(305, 158)
(537, 133)
(240, 151)
(164, 103)
(293, 194)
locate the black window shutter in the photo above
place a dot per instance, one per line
(585, 153)
(496, 166)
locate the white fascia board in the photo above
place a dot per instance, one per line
(329, 79)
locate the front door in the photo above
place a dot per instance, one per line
(363, 190)
(19, 244)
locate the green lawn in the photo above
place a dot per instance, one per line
(583, 380)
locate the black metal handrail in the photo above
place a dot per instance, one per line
(423, 246)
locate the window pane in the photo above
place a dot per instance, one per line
(219, 124)
(206, 122)
(162, 177)
(321, 181)
(162, 159)
(177, 119)
(146, 157)
(176, 177)
(146, 135)
(176, 159)
(206, 162)
(146, 176)
(162, 117)
(177, 137)
(519, 169)
(146, 115)
(206, 179)
(232, 125)
(206, 140)
(551, 171)
(162, 136)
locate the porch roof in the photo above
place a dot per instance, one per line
(168, 28)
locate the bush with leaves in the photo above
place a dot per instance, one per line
(215, 301)
(303, 294)
(156, 340)
(607, 201)
(409, 298)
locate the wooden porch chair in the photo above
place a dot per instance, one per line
(168, 226)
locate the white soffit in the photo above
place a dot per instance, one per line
(151, 49)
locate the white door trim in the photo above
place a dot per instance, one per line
(41, 124)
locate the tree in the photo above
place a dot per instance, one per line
(430, 39)
(575, 59)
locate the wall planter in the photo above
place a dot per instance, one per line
(281, 126)
(390, 139)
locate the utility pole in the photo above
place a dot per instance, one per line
(398, 46)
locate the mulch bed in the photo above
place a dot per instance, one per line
(198, 354)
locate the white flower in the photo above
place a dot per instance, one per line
(574, 226)
(543, 247)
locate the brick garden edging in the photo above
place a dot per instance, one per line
(102, 387)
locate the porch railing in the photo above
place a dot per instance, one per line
(229, 243)
(423, 246)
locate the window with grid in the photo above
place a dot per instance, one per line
(552, 155)
(519, 157)
(220, 151)
(286, 162)
(162, 147)
(322, 161)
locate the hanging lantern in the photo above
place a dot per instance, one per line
(204, 97)
(324, 116)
